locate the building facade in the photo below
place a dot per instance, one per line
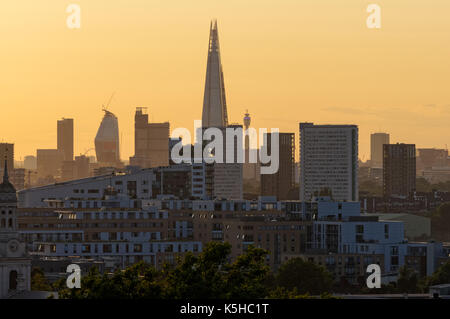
(151, 141)
(329, 161)
(377, 140)
(107, 143)
(282, 182)
(399, 170)
(15, 265)
(65, 138)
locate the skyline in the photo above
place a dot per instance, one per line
(319, 69)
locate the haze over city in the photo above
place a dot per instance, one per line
(298, 61)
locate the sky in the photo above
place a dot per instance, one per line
(286, 61)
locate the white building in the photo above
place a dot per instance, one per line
(124, 232)
(339, 228)
(329, 160)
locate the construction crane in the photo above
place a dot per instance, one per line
(88, 150)
(105, 108)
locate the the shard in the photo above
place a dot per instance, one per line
(214, 101)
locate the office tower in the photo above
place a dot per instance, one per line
(214, 101)
(329, 161)
(48, 162)
(282, 182)
(151, 141)
(107, 141)
(377, 140)
(65, 139)
(7, 153)
(228, 177)
(399, 170)
(30, 162)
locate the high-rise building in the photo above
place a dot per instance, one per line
(399, 170)
(107, 141)
(224, 180)
(151, 141)
(65, 139)
(282, 182)
(329, 161)
(30, 162)
(377, 140)
(48, 162)
(228, 177)
(7, 153)
(214, 101)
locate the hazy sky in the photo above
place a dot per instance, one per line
(287, 61)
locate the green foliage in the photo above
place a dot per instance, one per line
(208, 275)
(305, 276)
(137, 281)
(38, 280)
(441, 275)
(283, 293)
(408, 281)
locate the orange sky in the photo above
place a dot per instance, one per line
(287, 61)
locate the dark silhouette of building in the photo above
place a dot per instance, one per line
(214, 101)
(399, 170)
(151, 141)
(282, 182)
(65, 139)
(107, 141)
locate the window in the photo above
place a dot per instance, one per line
(13, 280)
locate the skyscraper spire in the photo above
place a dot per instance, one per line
(214, 101)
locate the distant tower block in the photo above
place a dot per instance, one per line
(107, 141)
(214, 101)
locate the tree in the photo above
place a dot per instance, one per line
(408, 281)
(441, 275)
(137, 281)
(305, 276)
(199, 276)
(248, 276)
(209, 274)
(38, 280)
